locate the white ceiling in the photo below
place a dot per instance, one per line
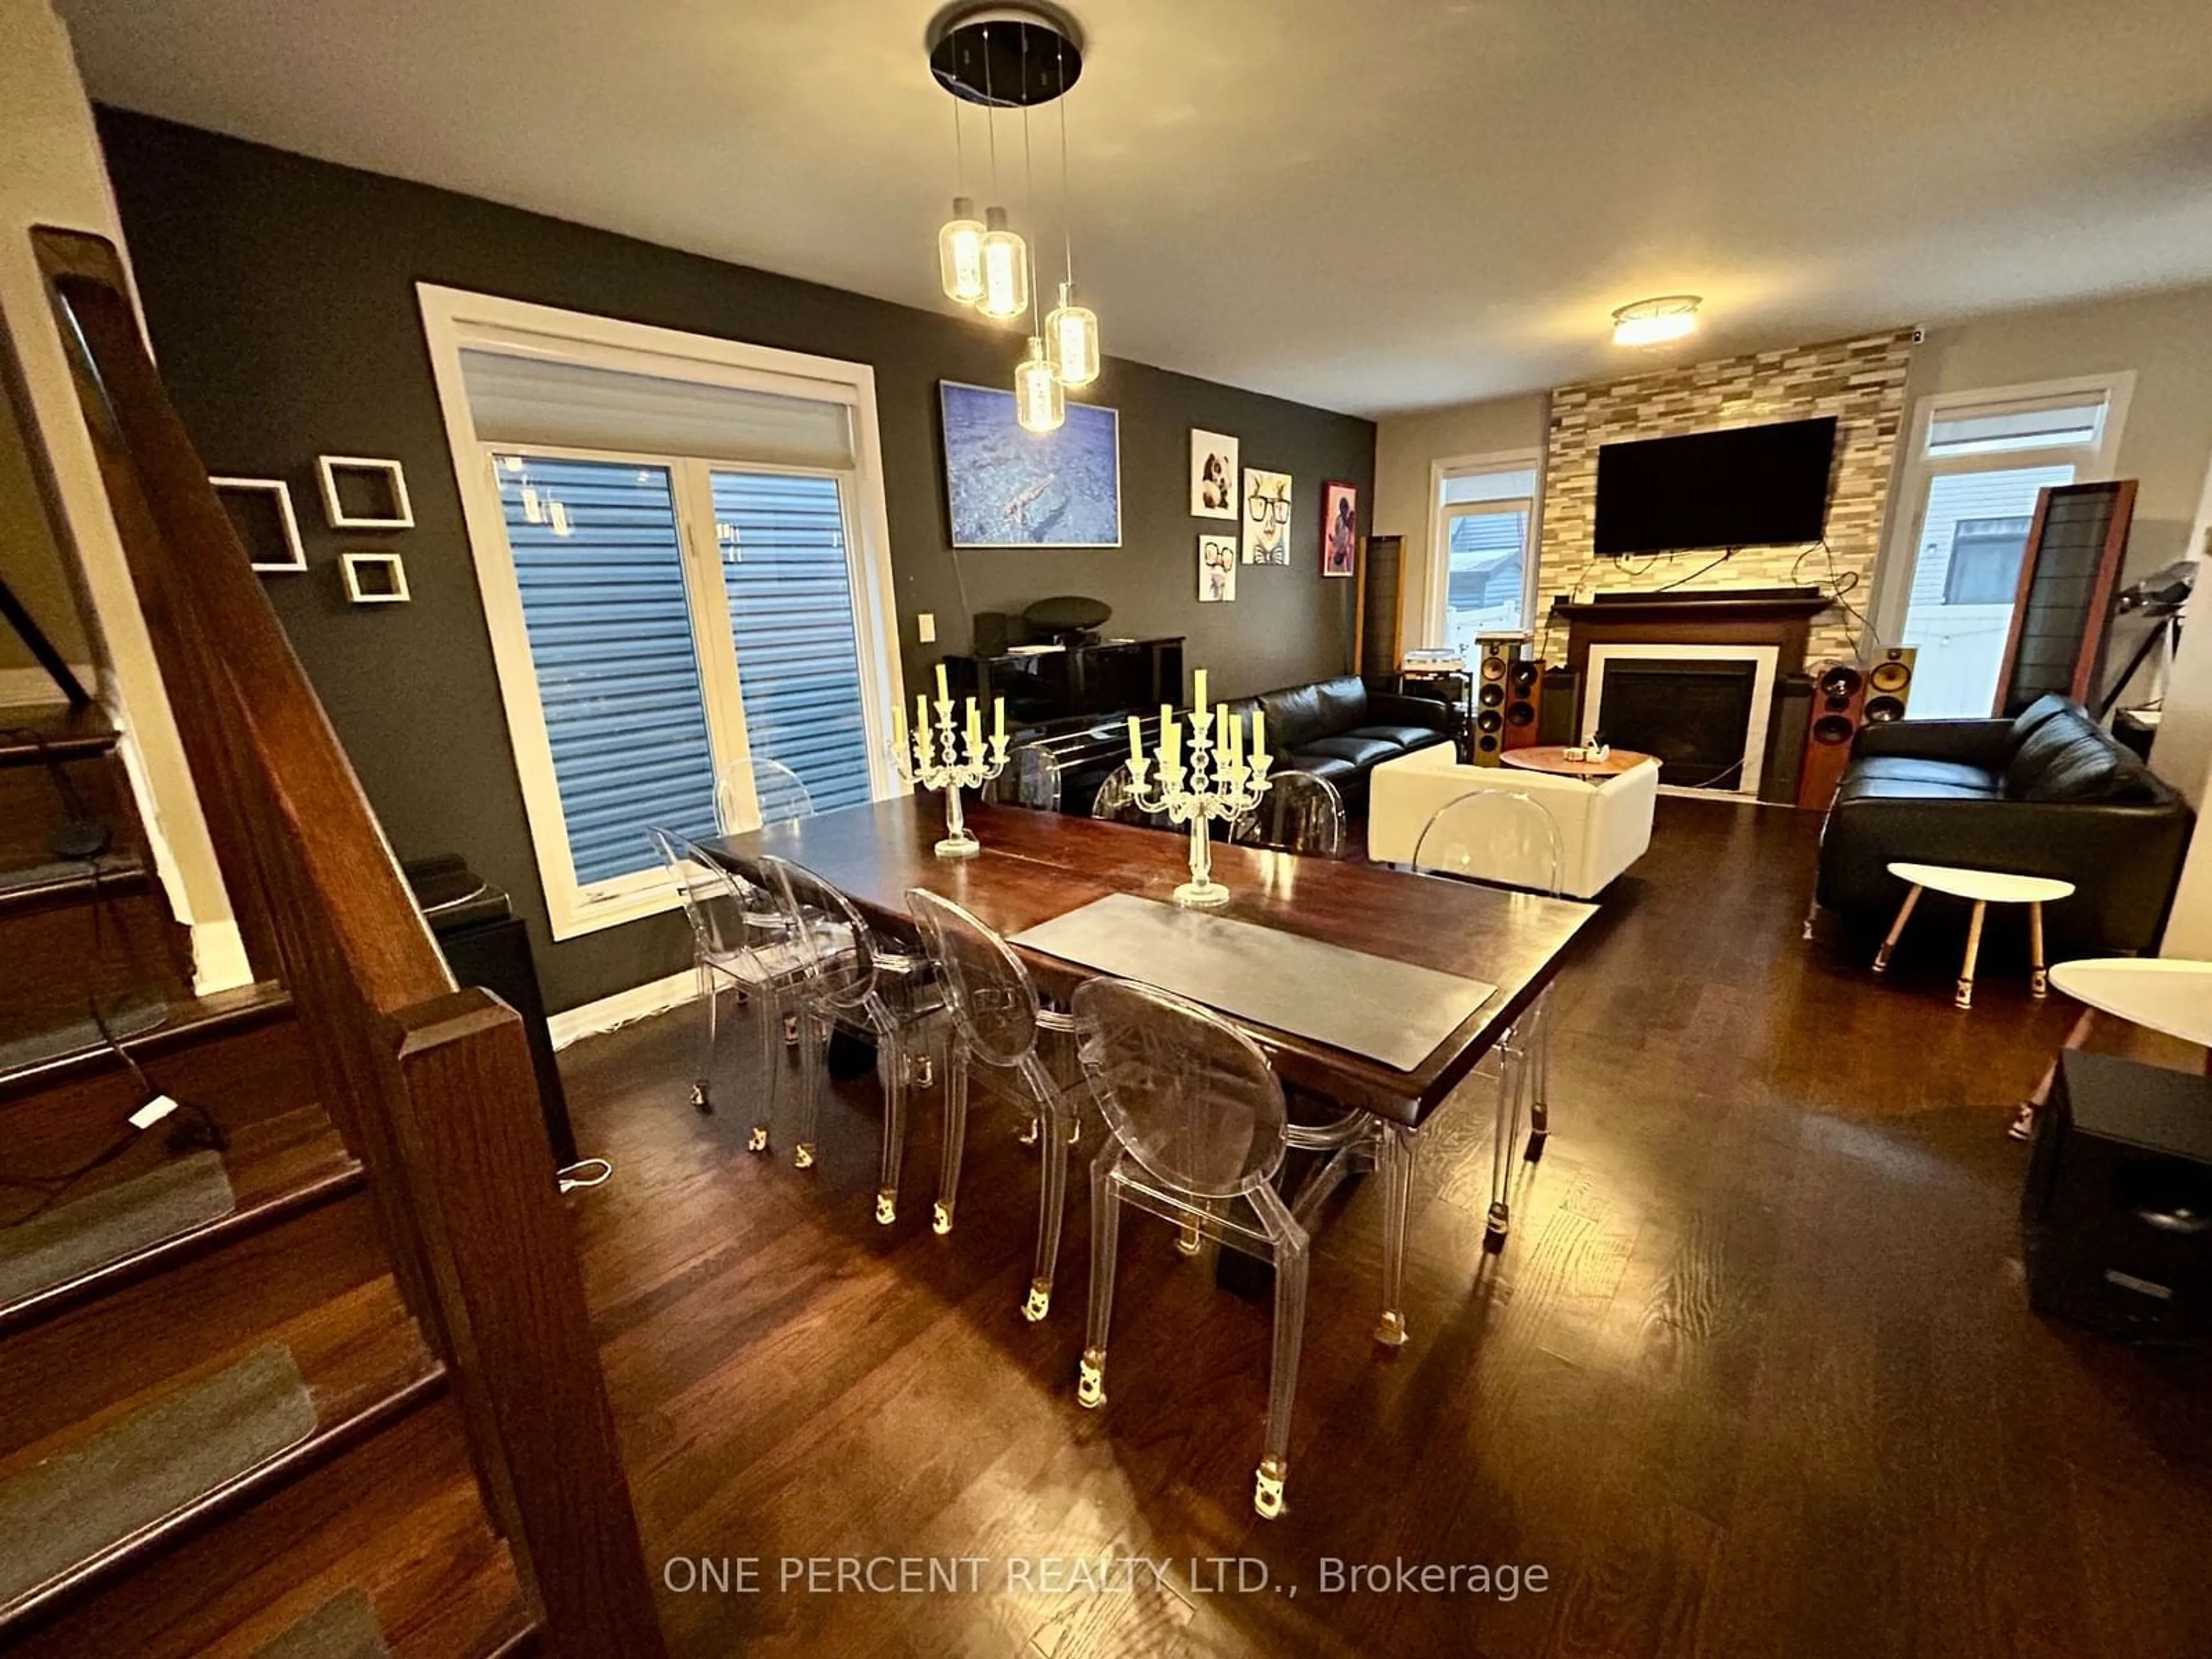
(1372, 205)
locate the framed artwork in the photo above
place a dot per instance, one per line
(261, 511)
(374, 578)
(1266, 517)
(1339, 529)
(1213, 475)
(362, 492)
(1008, 488)
(1217, 569)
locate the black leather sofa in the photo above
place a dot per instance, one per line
(1341, 730)
(2048, 793)
(1337, 729)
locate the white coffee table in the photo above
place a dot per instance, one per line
(1983, 888)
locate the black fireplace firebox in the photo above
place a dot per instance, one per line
(1693, 714)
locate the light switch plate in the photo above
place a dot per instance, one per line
(926, 624)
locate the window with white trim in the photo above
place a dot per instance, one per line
(680, 545)
(1482, 562)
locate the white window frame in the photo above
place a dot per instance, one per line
(2092, 464)
(455, 320)
(1436, 586)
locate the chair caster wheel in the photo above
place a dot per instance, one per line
(1390, 1329)
(941, 1218)
(1267, 1488)
(886, 1209)
(1091, 1379)
(1038, 1303)
(702, 1101)
(757, 1140)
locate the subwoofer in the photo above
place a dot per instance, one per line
(1524, 701)
(1494, 664)
(1889, 683)
(1785, 740)
(1839, 708)
(2116, 1220)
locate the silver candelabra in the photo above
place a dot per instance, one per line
(931, 758)
(1214, 779)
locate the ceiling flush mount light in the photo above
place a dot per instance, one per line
(1649, 322)
(1040, 405)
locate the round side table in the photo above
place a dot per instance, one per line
(1983, 888)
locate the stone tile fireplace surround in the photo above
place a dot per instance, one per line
(1860, 381)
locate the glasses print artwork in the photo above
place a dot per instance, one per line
(1213, 475)
(1266, 517)
(1339, 529)
(1217, 569)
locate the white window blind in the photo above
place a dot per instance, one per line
(1493, 485)
(540, 402)
(2076, 421)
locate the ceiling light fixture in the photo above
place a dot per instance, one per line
(1014, 57)
(1649, 322)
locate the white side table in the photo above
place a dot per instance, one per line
(2167, 995)
(1984, 888)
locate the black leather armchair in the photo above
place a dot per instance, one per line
(2049, 793)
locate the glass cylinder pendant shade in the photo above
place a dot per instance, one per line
(1039, 403)
(1070, 335)
(1005, 268)
(960, 253)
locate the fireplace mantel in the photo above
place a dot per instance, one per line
(1781, 619)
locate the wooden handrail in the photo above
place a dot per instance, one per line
(431, 1088)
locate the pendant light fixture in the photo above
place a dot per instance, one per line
(1040, 402)
(1014, 57)
(1071, 331)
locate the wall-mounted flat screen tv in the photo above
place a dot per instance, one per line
(1752, 486)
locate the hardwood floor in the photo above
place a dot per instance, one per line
(1754, 1376)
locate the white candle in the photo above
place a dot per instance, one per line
(974, 729)
(1171, 746)
(1258, 733)
(898, 727)
(1136, 738)
(1198, 690)
(943, 696)
(1232, 736)
(999, 720)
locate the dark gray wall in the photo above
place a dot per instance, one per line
(281, 295)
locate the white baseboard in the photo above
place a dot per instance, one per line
(638, 1002)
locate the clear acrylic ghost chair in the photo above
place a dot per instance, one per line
(773, 786)
(1505, 837)
(1116, 802)
(851, 978)
(1198, 1130)
(741, 947)
(1301, 812)
(997, 1018)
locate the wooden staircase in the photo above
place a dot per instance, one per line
(302, 1367)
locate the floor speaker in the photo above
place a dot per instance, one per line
(2116, 1220)
(1785, 740)
(1556, 711)
(1889, 683)
(1524, 702)
(1495, 660)
(1839, 708)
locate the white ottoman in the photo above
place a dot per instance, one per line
(1604, 827)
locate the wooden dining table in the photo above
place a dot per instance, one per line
(1037, 866)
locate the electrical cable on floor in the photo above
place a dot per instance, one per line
(571, 1181)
